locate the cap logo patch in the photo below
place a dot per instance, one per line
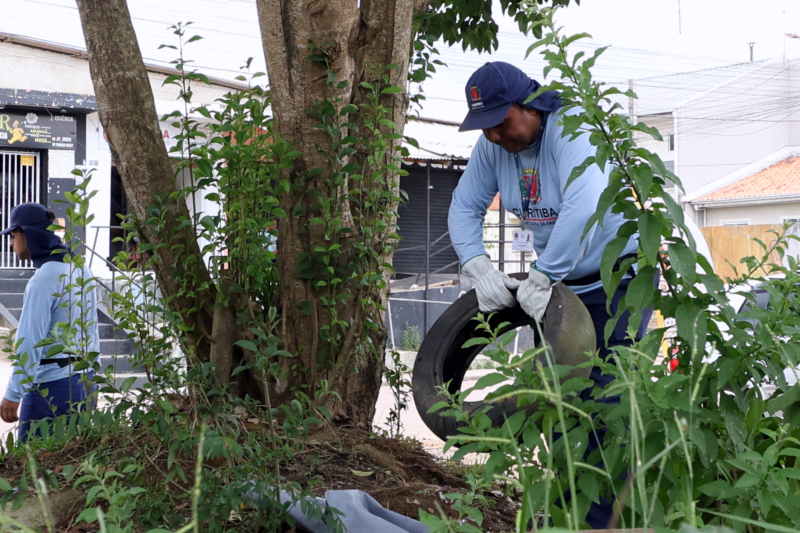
(475, 93)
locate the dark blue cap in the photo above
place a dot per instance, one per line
(27, 215)
(493, 88)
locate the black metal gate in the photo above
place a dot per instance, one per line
(20, 182)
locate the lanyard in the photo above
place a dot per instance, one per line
(526, 186)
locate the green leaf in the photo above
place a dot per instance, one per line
(747, 481)
(684, 260)
(587, 482)
(754, 415)
(489, 380)
(5, 485)
(641, 290)
(674, 209)
(438, 406)
(578, 171)
(784, 401)
(19, 501)
(55, 350)
(791, 473)
(127, 384)
(166, 405)
(360, 473)
(650, 236)
(692, 325)
(734, 420)
(392, 90)
(475, 341)
(247, 345)
(608, 260)
(204, 168)
(719, 489)
(88, 515)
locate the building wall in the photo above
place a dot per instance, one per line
(22, 67)
(732, 126)
(665, 124)
(752, 215)
(98, 165)
(26, 68)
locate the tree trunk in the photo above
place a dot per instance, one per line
(128, 114)
(352, 38)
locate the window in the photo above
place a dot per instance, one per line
(791, 220)
(735, 222)
(671, 142)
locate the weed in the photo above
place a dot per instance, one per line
(397, 378)
(411, 338)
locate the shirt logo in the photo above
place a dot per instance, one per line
(538, 216)
(530, 182)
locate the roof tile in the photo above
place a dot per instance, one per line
(780, 178)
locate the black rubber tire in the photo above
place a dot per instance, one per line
(567, 326)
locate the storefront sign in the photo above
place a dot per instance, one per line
(60, 164)
(38, 130)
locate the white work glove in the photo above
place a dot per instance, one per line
(534, 293)
(491, 286)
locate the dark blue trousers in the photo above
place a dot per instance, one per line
(61, 399)
(595, 302)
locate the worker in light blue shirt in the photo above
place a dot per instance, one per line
(524, 156)
(55, 309)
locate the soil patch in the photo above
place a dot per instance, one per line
(398, 473)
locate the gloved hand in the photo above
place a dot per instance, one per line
(534, 293)
(491, 286)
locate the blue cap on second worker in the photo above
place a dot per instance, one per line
(493, 88)
(25, 215)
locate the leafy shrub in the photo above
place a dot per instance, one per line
(714, 443)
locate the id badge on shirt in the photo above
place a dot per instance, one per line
(522, 240)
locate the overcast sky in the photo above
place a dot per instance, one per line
(647, 37)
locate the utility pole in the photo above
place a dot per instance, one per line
(751, 51)
(679, 17)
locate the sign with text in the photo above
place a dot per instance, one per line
(38, 130)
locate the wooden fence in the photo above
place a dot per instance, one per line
(732, 243)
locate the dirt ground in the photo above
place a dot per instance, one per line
(399, 473)
(404, 476)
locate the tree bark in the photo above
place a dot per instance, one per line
(353, 37)
(128, 114)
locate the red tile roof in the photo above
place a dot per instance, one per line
(781, 178)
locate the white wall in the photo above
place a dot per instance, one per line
(27, 68)
(665, 124)
(756, 214)
(732, 126)
(98, 161)
(22, 67)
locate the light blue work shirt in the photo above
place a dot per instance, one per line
(559, 216)
(46, 303)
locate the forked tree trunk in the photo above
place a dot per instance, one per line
(354, 35)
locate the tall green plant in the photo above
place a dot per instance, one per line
(714, 443)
